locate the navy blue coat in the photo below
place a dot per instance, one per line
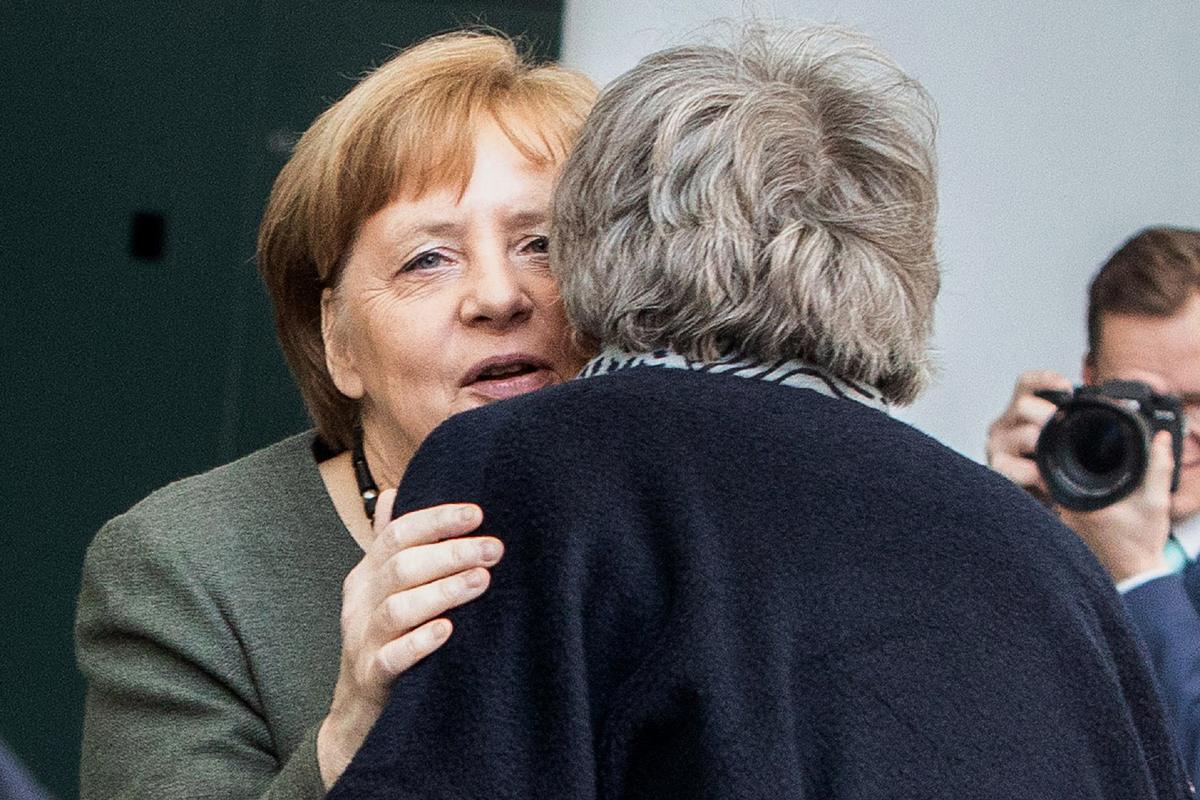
(1165, 610)
(716, 587)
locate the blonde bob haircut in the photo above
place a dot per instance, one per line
(407, 128)
(775, 199)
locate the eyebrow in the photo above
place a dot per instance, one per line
(527, 218)
(522, 218)
(429, 229)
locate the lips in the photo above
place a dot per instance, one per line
(509, 375)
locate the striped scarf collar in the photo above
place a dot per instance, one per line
(797, 374)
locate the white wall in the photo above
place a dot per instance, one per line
(1065, 126)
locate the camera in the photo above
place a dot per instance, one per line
(1095, 449)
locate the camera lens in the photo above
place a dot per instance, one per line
(1092, 454)
(1098, 442)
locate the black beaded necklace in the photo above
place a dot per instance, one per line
(362, 473)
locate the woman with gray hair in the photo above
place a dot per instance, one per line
(729, 572)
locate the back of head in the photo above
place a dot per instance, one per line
(775, 198)
(1153, 274)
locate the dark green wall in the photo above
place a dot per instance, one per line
(122, 374)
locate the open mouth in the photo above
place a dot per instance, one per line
(504, 371)
(509, 376)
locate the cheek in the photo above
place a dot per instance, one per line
(1191, 456)
(399, 341)
(1186, 501)
(545, 295)
(1191, 452)
(559, 334)
(541, 284)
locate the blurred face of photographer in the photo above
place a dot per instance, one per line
(1163, 352)
(1144, 326)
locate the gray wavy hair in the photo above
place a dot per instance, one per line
(775, 199)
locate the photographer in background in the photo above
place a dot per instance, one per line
(1143, 325)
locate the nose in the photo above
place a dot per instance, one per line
(495, 295)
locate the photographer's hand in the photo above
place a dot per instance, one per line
(1128, 537)
(1012, 438)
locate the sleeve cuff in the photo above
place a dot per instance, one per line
(300, 776)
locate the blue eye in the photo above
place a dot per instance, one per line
(430, 259)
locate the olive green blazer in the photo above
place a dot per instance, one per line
(208, 632)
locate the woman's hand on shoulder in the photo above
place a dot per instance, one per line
(416, 568)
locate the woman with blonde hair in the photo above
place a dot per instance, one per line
(240, 630)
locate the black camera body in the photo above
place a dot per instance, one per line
(1095, 450)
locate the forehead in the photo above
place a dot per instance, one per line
(1163, 351)
(505, 191)
(494, 167)
(470, 146)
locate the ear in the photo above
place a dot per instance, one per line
(339, 358)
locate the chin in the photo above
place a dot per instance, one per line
(1186, 509)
